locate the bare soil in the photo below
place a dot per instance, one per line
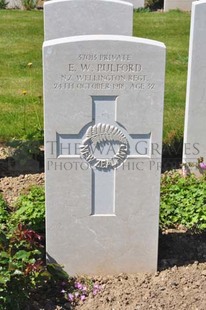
(180, 282)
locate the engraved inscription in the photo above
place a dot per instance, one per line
(105, 57)
(104, 72)
(104, 134)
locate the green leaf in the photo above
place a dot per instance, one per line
(4, 254)
(4, 279)
(22, 255)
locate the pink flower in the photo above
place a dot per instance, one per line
(96, 286)
(84, 288)
(203, 166)
(78, 285)
(95, 291)
(71, 297)
(83, 297)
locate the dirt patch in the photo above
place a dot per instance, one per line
(12, 187)
(176, 288)
(180, 282)
(17, 179)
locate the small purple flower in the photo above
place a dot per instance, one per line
(95, 291)
(78, 285)
(71, 297)
(96, 286)
(203, 166)
(82, 297)
(84, 288)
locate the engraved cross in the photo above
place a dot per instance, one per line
(105, 146)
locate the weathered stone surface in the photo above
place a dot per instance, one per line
(103, 132)
(183, 5)
(195, 115)
(136, 3)
(14, 4)
(64, 18)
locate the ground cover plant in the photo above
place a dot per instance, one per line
(24, 277)
(183, 202)
(21, 250)
(21, 68)
(23, 274)
(31, 210)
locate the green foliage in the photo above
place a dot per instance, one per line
(21, 250)
(183, 201)
(3, 211)
(142, 10)
(23, 274)
(3, 4)
(21, 265)
(31, 210)
(29, 4)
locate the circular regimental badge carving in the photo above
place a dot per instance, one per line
(104, 134)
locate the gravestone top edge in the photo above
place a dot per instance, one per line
(197, 3)
(87, 38)
(190, 135)
(50, 2)
(64, 18)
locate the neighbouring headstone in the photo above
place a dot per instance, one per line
(14, 4)
(19, 4)
(103, 132)
(136, 3)
(183, 5)
(195, 115)
(64, 18)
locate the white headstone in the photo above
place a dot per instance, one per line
(14, 4)
(195, 115)
(136, 3)
(103, 132)
(183, 5)
(64, 18)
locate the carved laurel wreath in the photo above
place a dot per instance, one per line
(103, 133)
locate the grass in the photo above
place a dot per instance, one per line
(21, 40)
(172, 29)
